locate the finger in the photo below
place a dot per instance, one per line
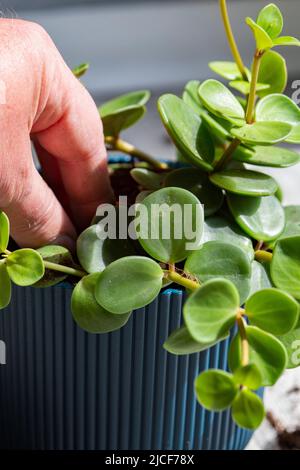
(76, 140)
(36, 216)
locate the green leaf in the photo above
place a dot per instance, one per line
(246, 182)
(88, 314)
(122, 112)
(259, 278)
(80, 70)
(278, 107)
(221, 102)
(218, 127)
(277, 157)
(95, 250)
(148, 179)
(292, 224)
(286, 41)
(291, 342)
(262, 39)
(272, 310)
(172, 230)
(180, 342)
(5, 286)
(25, 267)
(219, 229)
(265, 351)
(221, 260)
(215, 389)
(270, 19)
(256, 216)
(273, 71)
(128, 284)
(197, 182)
(4, 231)
(210, 311)
(263, 133)
(249, 376)
(191, 97)
(248, 410)
(244, 87)
(294, 136)
(285, 266)
(55, 254)
(186, 129)
(227, 70)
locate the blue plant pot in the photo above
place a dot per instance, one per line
(65, 389)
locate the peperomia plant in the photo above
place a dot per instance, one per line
(242, 274)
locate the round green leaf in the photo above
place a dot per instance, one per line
(291, 342)
(273, 71)
(277, 157)
(25, 267)
(215, 389)
(4, 231)
(285, 266)
(128, 284)
(259, 278)
(95, 250)
(187, 131)
(80, 70)
(292, 224)
(263, 133)
(265, 351)
(244, 87)
(246, 182)
(262, 39)
(175, 224)
(88, 314)
(227, 70)
(219, 229)
(249, 376)
(55, 254)
(256, 215)
(286, 41)
(220, 101)
(221, 260)
(190, 96)
(5, 286)
(294, 136)
(197, 182)
(148, 179)
(218, 127)
(180, 342)
(278, 107)
(122, 112)
(272, 310)
(270, 19)
(210, 311)
(248, 410)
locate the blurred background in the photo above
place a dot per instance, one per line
(161, 45)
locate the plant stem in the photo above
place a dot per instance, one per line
(182, 281)
(262, 255)
(232, 43)
(226, 157)
(64, 269)
(129, 149)
(243, 335)
(253, 84)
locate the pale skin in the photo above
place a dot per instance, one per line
(45, 104)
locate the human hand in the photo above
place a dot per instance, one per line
(43, 102)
